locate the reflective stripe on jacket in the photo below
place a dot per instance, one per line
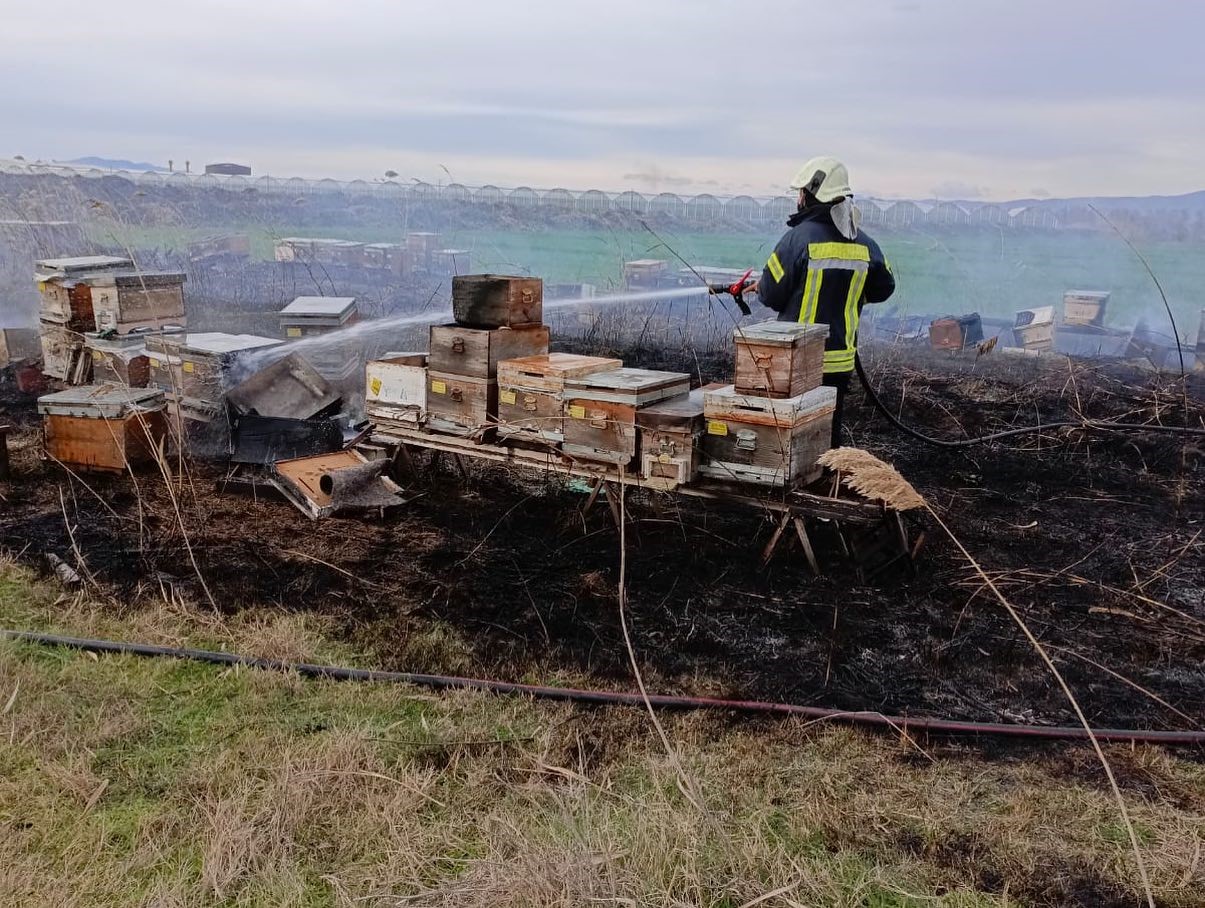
(816, 276)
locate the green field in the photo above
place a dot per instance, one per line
(993, 272)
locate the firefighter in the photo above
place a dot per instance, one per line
(824, 269)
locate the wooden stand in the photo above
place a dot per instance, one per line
(865, 529)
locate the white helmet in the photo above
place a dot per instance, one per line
(824, 177)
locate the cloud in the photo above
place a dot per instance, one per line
(913, 95)
(955, 189)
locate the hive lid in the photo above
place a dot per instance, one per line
(217, 342)
(336, 306)
(108, 401)
(673, 412)
(48, 269)
(775, 333)
(564, 365)
(620, 380)
(289, 388)
(728, 403)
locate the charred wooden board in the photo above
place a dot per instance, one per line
(497, 301)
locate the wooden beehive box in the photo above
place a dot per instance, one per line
(193, 367)
(310, 315)
(476, 352)
(17, 344)
(955, 332)
(670, 436)
(779, 359)
(1084, 307)
(763, 441)
(122, 359)
(1034, 328)
(497, 301)
(600, 410)
(461, 405)
(531, 392)
(127, 302)
(103, 427)
(65, 286)
(63, 354)
(396, 388)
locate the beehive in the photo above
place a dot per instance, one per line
(1034, 328)
(396, 388)
(779, 359)
(1084, 307)
(670, 437)
(313, 316)
(497, 301)
(763, 441)
(103, 427)
(461, 405)
(128, 302)
(531, 392)
(600, 410)
(476, 352)
(955, 332)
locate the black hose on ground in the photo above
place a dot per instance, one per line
(1089, 425)
(619, 698)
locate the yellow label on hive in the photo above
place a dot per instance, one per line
(375, 385)
(155, 362)
(507, 397)
(96, 356)
(293, 332)
(439, 387)
(715, 427)
(189, 367)
(577, 412)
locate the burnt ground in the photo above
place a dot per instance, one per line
(1097, 539)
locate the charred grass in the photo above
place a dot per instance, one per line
(164, 783)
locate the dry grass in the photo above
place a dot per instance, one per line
(153, 782)
(872, 478)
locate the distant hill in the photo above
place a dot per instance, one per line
(1191, 201)
(114, 163)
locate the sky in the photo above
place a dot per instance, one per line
(971, 99)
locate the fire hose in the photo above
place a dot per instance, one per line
(904, 724)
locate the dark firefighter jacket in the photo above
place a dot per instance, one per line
(816, 276)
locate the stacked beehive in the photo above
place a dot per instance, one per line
(312, 316)
(498, 317)
(66, 311)
(130, 308)
(96, 311)
(769, 427)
